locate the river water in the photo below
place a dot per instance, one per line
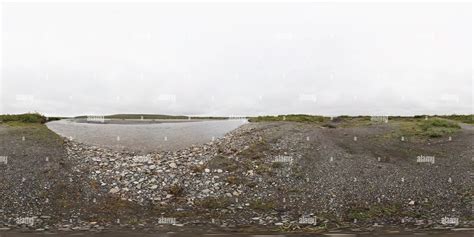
(145, 137)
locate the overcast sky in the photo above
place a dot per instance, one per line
(237, 59)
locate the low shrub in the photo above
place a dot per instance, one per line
(25, 118)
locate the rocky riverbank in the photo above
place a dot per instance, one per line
(267, 176)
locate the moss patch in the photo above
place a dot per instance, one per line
(431, 128)
(373, 212)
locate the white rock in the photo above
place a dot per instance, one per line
(207, 170)
(173, 165)
(114, 190)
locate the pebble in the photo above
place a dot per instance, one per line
(114, 190)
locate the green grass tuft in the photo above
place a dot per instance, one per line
(375, 211)
(469, 119)
(438, 127)
(262, 205)
(434, 127)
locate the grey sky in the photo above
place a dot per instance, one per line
(237, 59)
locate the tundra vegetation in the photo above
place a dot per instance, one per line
(417, 126)
(234, 181)
(24, 118)
(16, 119)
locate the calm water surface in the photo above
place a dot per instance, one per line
(145, 137)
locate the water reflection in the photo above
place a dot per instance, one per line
(145, 137)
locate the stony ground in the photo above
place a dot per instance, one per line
(276, 176)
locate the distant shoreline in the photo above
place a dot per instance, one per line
(139, 121)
